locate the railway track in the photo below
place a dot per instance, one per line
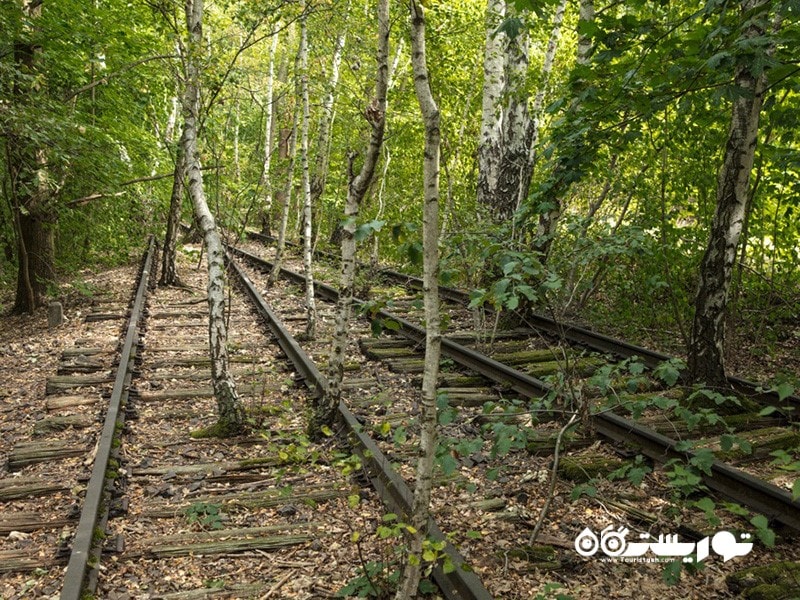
(719, 470)
(165, 515)
(49, 468)
(157, 513)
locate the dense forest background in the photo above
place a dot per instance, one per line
(612, 120)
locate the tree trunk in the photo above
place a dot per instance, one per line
(516, 129)
(231, 416)
(326, 123)
(706, 346)
(285, 198)
(430, 237)
(490, 147)
(356, 190)
(36, 251)
(269, 140)
(311, 304)
(169, 274)
(31, 204)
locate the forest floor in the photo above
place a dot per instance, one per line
(29, 352)
(759, 349)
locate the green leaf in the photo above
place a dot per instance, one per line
(476, 535)
(415, 253)
(669, 371)
(706, 504)
(376, 326)
(476, 298)
(384, 532)
(391, 325)
(726, 442)
(511, 27)
(448, 566)
(400, 436)
(672, 573)
(784, 391)
(448, 464)
(796, 489)
(636, 368)
(763, 531)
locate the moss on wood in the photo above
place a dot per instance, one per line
(777, 581)
(538, 556)
(583, 467)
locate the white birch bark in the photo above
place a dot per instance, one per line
(433, 339)
(516, 129)
(269, 137)
(311, 306)
(490, 146)
(286, 200)
(326, 121)
(358, 185)
(706, 347)
(231, 418)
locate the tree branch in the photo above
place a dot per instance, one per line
(95, 196)
(124, 69)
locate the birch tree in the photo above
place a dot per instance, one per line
(706, 346)
(358, 184)
(230, 412)
(311, 306)
(490, 148)
(286, 198)
(433, 339)
(269, 137)
(320, 176)
(169, 273)
(514, 165)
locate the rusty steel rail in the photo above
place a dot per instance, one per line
(769, 499)
(593, 340)
(78, 567)
(460, 584)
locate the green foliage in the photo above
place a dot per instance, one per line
(685, 478)
(550, 591)
(206, 515)
(763, 530)
(521, 279)
(446, 414)
(377, 579)
(584, 489)
(669, 371)
(371, 582)
(634, 471)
